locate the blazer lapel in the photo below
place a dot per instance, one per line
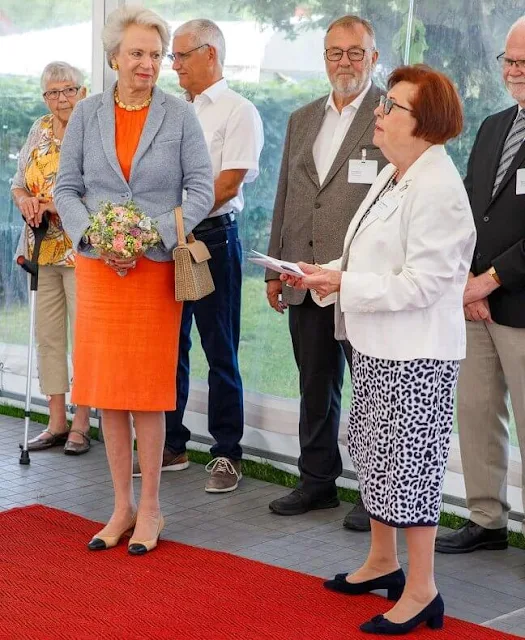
(362, 120)
(399, 191)
(106, 123)
(356, 226)
(315, 125)
(152, 125)
(494, 158)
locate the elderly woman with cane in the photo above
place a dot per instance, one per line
(32, 190)
(398, 293)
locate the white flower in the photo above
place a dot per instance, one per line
(145, 224)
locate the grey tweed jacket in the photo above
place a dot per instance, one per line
(171, 156)
(310, 220)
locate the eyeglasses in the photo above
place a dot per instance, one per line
(509, 62)
(387, 105)
(179, 57)
(54, 94)
(355, 54)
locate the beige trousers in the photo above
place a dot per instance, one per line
(494, 368)
(55, 303)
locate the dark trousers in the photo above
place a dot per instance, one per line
(218, 322)
(320, 359)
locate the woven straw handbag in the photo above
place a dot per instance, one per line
(193, 279)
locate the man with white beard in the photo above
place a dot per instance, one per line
(329, 162)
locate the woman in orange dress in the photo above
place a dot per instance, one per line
(132, 142)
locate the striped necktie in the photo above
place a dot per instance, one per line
(512, 144)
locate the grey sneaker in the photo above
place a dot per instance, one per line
(170, 462)
(224, 475)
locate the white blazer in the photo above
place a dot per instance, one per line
(402, 292)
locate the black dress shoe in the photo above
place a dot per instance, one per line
(300, 502)
(357, 519)
(393, 582)
(432, 614)
(472, 536)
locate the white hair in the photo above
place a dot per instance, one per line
(60, 72)
(120, 19)
(520, 22)
(205, 32)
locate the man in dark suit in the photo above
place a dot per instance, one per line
(321, 185)
(495, 311)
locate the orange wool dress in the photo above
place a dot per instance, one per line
(127, 328)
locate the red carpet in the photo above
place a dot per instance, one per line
(52, 587)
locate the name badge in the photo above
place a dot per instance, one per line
(384, 207)
(520, 182)
(362, 171)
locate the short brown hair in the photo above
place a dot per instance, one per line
(437, 105)
(349, 22)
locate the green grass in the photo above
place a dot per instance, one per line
(265, 471)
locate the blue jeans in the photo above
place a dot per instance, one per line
(218, 318)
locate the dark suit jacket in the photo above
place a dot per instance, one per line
(500, 220)
(310, 221)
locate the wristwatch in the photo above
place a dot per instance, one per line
(493, 274)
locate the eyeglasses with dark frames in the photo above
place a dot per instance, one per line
(177, 56)
(354, 54)
(509, 62)
(54, 94)
(388, 103)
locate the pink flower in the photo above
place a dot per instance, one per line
(119, 242)
(135, 232)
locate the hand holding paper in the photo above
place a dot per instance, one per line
(281, 266)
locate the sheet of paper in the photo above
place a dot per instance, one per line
(281, 266)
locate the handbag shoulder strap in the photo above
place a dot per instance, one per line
(179, 221)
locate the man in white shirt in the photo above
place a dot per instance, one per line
(329, 162)
(234, 134)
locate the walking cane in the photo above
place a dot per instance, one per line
(31, 266)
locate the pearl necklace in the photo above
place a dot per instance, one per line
(131, 107)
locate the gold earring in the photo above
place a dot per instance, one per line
(114, 66)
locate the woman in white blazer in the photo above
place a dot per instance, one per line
(398, 293)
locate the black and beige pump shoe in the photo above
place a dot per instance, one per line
(140, 547)
(101, 542)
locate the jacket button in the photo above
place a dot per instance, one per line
(478, 256)
(486, 219)
(317, 205)
(310, 244)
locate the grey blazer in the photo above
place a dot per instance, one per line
(310, 221)
(171, 156)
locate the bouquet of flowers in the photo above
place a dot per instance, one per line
(121, 231)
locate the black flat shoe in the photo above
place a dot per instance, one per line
(393, 582)
(472, 536)
(432, 615)
(298, 502)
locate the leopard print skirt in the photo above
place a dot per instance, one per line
(399, 436)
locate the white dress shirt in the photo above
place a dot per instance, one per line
(333, 131)
(234, 134)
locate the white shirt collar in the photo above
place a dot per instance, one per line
(213, 92)
(355, 104)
